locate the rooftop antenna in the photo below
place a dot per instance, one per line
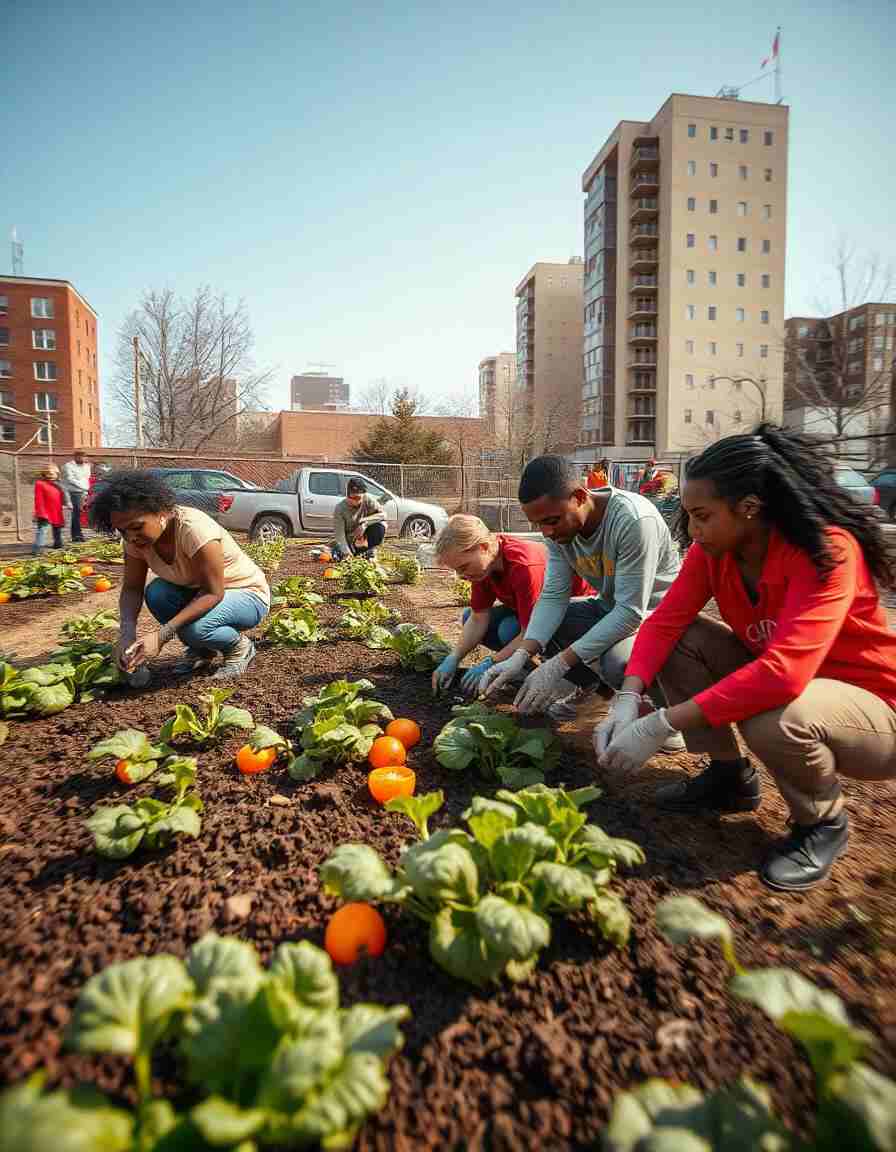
(18, 253)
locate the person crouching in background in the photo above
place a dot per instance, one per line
(359, 523)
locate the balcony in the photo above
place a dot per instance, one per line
(643, 234)
(642, 310)
(645, 183)
(643, 383)
(644, 208)
(643, 259)
(642, 334)
(645, 156)
(645, 283)
(642, 358)
(648, 411)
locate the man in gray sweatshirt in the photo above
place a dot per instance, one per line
(620, 544)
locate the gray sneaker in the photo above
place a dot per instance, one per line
(236, 660)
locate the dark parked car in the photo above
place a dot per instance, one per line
(197, 487)
(885, 487)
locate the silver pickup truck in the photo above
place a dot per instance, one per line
(307, 502)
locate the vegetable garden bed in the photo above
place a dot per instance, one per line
(533, 1065)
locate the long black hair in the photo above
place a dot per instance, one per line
(793, 478)
(128, 491)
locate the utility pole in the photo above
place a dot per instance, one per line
(49, 434)
(138, 400)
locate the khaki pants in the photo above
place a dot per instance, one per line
(831, 728)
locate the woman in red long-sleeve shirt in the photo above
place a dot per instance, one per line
(804, 663)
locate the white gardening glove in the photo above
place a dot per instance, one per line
(635, 744)
(623, 711)
(504, 673)
(539, 686)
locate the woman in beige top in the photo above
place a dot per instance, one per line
(207, 591)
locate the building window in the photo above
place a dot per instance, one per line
(711, 382)
(766, 246)
(713, 133)
(745, 135)
(710, 417)
(689, 347)
(688, 415)
(763, 351)
(4, 337)
(713, 243)
(740, 350)
(44, 370)
(90, 412)
(690, 276)
(803, 330)
(692, 167)
(5, 368)
(763, 317)
(42, 306)
(743, 208)
(741, 280)
(768, 138)
(43, 434)
(741, 243)
(7, 433)
(766, 211)
(689, 381)
(877, 363)
(740, 315)
(5, 399)
(880, 319)
(81, 405)
(45, 402)
(43, 338)
(729, 135)
(692, 204)
(713, 170)
(768, 175)
(690, 312)
(4, 305)
(743, 171)
(711, 312)
(766, 280)
(691, 240)
(692, 130)
(713, 207)
(712, 348)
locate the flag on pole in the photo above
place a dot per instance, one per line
(773, 55)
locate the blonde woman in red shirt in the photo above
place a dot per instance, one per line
(802, 661)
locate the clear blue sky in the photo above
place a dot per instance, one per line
(374, 179)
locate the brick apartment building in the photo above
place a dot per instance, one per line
(48, 364)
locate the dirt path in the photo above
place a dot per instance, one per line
(533, 1066)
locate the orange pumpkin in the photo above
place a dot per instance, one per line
(353, 928)
(386, 752)
(331, 574)
(387, 783)
(250, 762)
(102, 585)
(325, 557)
(407, 731)
(4, 597)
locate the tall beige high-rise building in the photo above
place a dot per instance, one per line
(684, 277)
(497, 381)
(549, 357)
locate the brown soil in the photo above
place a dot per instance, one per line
(533, 1066)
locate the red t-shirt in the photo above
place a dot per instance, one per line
(803, 627)
(519, 585)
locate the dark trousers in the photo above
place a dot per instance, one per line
(375, 534)
(77, 499)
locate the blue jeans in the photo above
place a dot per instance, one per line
(77, 499)
(40, 533)
(502, 627)
(218, 629)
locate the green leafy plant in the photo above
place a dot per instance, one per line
(417, 648)
(120, 829)
(132, 747)
(495, 746)
(365, 621)
(270, 1057)
(461, 590)
(108, 551)
(94, 672)
(40, 577)
(856, 1106)
(358, 574)
(217, 718)
(43, 691)
(268, 555)
(338, 726)
(79, 635)
(295, 592)
(488, 894)
(294, 628)
(404, 569)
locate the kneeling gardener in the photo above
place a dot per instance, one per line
(359, 523)
(616, 541)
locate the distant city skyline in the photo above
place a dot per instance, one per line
(374, 183)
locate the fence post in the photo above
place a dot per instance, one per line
(401, 480)
(134, 460)
(18, 504)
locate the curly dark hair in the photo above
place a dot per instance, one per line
(128, 492)
(793, 477)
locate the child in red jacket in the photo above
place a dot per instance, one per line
(50, 500)
(803, 663)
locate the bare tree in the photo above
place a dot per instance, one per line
(378, 397)
(467, 434)
(833, 386)
(196, 370)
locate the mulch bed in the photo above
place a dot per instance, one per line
(533, 1066)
